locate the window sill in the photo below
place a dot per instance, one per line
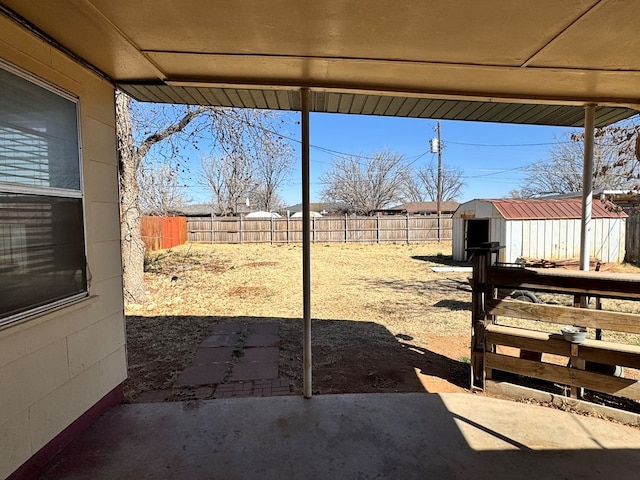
(36, 318)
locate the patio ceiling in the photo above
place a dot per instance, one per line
(520, 62)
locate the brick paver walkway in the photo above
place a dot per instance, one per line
(235, 360)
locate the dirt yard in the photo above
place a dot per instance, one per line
(382, 320)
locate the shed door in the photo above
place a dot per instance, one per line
(477, 232)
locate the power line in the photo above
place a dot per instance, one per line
(495, 145)
(336, 153)
(497, 172)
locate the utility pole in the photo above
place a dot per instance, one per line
(439, 193)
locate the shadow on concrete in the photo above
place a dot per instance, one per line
(409, 436)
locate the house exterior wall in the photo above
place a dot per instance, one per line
(55, 366)
(540, 238)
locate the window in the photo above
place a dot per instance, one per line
(42, 252)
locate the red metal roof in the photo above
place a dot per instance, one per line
(516, 209)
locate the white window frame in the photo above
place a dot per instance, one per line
(15, 188)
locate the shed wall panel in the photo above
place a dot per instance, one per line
(457, 242)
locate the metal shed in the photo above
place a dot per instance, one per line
(538, 228)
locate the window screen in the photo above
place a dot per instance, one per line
(42, 252)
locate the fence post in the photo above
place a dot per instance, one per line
(240, 231)
(377, 228)
(346, 232)
(271, 238)
(407, 229)
(287, 227)
(211, 229)
(313, 229)
(481, 292)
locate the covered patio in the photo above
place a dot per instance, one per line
(397, 435)
(546, 62)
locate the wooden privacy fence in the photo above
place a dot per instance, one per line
(593, 364)
(398, 229)
(163, 232)
(632, 239)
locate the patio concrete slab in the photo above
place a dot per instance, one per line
(208, 374)
(221, 340)
(408, 436)
(270, 328)
(227, 328)
(213, 355)
(262, 340)
(244, 371)
(260, 354)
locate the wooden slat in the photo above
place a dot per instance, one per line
(528, 340)
(591, 350)
(612, 285)
(622, 387)
(617, 321)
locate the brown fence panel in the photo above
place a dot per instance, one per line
(632, 239)
(163, 232)
(391, 228)
(226, 230)
(328, 229)
(151, 232)
(174, 231)
(361, 230)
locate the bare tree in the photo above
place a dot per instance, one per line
(422, 185)
(263, 199)
(273, 166)
(230, 179)
(614, 166)
(256, 173)
(160, 189)
(165, 130)
(365, 184)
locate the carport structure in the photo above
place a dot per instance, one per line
(545, 62)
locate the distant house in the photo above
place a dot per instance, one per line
(205, 210)
(425, 209)
(262, 214)
(538, 228)
(326, 208)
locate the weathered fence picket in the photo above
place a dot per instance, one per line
(347, 229)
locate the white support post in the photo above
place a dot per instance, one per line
(585, 230)
(587, 187)
(306, 248)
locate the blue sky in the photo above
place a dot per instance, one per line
(490, 155)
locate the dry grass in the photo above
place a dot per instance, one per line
(380, 313)
(363, 297)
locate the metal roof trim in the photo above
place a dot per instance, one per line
(543, 209)
(375, 103)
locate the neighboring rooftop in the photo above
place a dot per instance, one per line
(448, 206)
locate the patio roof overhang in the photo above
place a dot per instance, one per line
(544, 62)
(492, 61)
